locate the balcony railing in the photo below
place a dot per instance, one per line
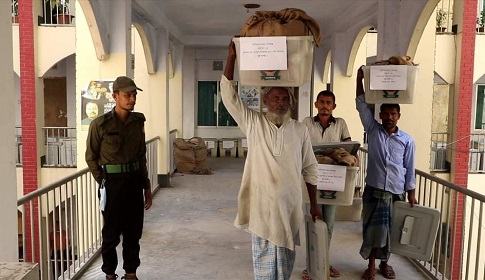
(444, 17)
(61, 223)
(440, 147)
(54, 12)
(60, 147)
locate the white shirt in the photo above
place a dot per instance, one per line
(270, 198)
(337, 130)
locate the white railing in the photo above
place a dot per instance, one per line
(60, 147)
(61, 223)
(58, 12)
(441, 146)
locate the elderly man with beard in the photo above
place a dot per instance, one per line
(390, 175)
(279, 156)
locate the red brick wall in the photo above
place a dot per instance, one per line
(463, 127)
(29, 134)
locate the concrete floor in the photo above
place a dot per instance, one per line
(188, 234)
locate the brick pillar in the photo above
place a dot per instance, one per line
(29, 128)
(463, 125)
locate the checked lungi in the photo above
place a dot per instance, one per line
(377, 221)
(271, 262)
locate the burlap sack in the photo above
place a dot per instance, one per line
(287, 22)
(190, 156)
(337, 156)
(184, 156)
(397, 60)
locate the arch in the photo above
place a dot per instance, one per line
(355, 48)
(92, 12)
(421, 23)
(148, 37)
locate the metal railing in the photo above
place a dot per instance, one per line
(58, 12)
(459, 249)
(60, 147)
(444, 17)
(438, 151)
(61, 223)
(54, 12)
(441, 146)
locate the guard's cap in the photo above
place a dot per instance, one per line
(125, 84)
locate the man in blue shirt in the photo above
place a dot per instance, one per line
(390, 175)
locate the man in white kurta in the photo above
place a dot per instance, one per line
(279, 155)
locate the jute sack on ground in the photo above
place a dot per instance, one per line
(287, 22)
(190, 156)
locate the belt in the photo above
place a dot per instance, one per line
(122, 168)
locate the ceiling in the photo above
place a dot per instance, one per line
(207, 19)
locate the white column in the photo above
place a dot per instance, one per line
(8, 199)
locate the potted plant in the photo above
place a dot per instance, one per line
(60, 11)
(440, 20)
(15, 11)
(481, 21)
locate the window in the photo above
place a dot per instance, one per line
(210, 109)
(480, 112)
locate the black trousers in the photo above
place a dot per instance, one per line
(123, 216)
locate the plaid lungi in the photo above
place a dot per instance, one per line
(377, 222)
(271, 262)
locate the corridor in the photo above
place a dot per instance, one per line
(189, 235)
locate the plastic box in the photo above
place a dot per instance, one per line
(227, 147)
(342, 198)
(414, 230)
(317, 249)
(381, 96)
(242, 147)
(300, 61)
(211, 144)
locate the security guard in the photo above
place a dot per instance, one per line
(116, 156)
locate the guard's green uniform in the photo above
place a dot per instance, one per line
(116, 152)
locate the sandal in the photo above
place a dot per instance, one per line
(369, 274)
(387, 271)
(334, 272)
(305, 276)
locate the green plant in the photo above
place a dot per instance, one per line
(481, 19)
(61, 6)
(15, 8)
(440, 17)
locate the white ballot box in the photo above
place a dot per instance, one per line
(299, 56)
(345, 197)
(227, 147)
(211, 144)
(390, 83)
(414, 230)
(317, 258)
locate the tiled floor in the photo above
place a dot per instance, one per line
(189, 234)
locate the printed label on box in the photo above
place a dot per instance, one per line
(244, 143)
(389, 77)
(331, 177)
(209, 144)
(263, 53)
(227, 144)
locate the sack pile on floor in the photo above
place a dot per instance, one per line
(337, 156)
(190, 156)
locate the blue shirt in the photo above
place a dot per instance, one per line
(391, 164)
